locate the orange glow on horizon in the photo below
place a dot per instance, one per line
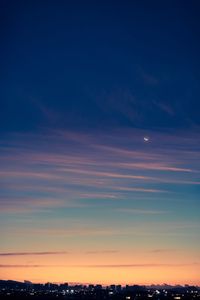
(105, 276)
(104, 268)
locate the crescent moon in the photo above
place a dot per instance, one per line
(146, 139)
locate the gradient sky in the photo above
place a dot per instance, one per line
(83, 197)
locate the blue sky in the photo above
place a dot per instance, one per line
(102, 64)
(82, 84)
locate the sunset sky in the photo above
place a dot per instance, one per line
(100, 141)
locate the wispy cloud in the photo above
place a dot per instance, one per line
(105, 266)
(78, 166)
(146, 265)
(137, 189)
(21, 266)
(31, 204)
(63, 229)
(99, 196)
(156, 251)
(166, 107)
(155, 166)
(33, 253)
(102, 252)
(141, 211)
(148, 78)
(47, 253)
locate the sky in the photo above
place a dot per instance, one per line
(100, 141)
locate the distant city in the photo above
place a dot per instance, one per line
(10, 289)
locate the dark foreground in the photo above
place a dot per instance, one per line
(26, 290)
